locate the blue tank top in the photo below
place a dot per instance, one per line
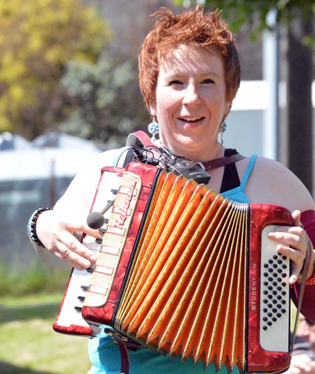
(238, 193)
(105, 355)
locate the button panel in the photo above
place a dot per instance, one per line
(274, 296)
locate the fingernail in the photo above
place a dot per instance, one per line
(292, 279)
(93, 258)
(86, 264)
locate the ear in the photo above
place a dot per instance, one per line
(153, 109)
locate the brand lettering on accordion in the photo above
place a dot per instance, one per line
(124, 211)
(254, 288)
(171, 284)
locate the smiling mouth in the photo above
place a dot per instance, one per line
(191, 119)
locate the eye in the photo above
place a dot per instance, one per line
(176, 82)
(208, 81)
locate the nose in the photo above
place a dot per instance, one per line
(191, 95)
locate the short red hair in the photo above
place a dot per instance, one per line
(194, 27)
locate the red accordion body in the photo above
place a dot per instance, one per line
(185, 272)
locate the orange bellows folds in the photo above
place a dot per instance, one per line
(186, 291)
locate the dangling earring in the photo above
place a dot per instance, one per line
(153, 129)
(222, 131)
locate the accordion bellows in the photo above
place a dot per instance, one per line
(180, 297)
(184, 273)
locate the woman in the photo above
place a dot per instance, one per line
(189, 76)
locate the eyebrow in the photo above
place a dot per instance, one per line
(170, 74)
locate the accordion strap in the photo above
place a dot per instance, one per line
(124, 369)
(140, 138)
(223, 161)
(124, 344)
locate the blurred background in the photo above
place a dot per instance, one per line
(69, 90)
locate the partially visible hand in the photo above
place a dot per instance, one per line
(293, 243)
(57, 233)
(301, 364)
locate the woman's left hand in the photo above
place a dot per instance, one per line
(293, 243)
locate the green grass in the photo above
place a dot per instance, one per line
(37, 277)
(28, 344)
(29, 304)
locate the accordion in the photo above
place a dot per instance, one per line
(183, 271)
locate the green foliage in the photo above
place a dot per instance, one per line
(255, 12)
(37, 39)
(101, 100)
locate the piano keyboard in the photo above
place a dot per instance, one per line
(69, 319)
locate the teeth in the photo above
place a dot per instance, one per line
(191, 119)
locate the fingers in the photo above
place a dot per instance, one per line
(58, 234)
(296, 215)
(293, 244)
(77, 224)
(74, 252)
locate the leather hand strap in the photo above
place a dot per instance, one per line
(124, 343)
(123, 353)
(306, 265)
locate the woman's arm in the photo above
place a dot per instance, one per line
(272, 183)
(308, 306)
(60, 229)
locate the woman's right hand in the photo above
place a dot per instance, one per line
(58, 231)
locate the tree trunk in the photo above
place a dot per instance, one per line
(300, 126)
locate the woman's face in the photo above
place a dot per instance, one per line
(190, 102)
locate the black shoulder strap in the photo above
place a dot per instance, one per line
(130, 157)
(223, 161)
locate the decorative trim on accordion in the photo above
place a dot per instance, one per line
(114, 240)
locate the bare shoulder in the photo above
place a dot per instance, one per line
(272, 183)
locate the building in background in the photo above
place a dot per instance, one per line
(129, 22)
(259, 120)
(33, 177)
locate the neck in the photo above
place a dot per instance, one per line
(211, 153)
(220, 152)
